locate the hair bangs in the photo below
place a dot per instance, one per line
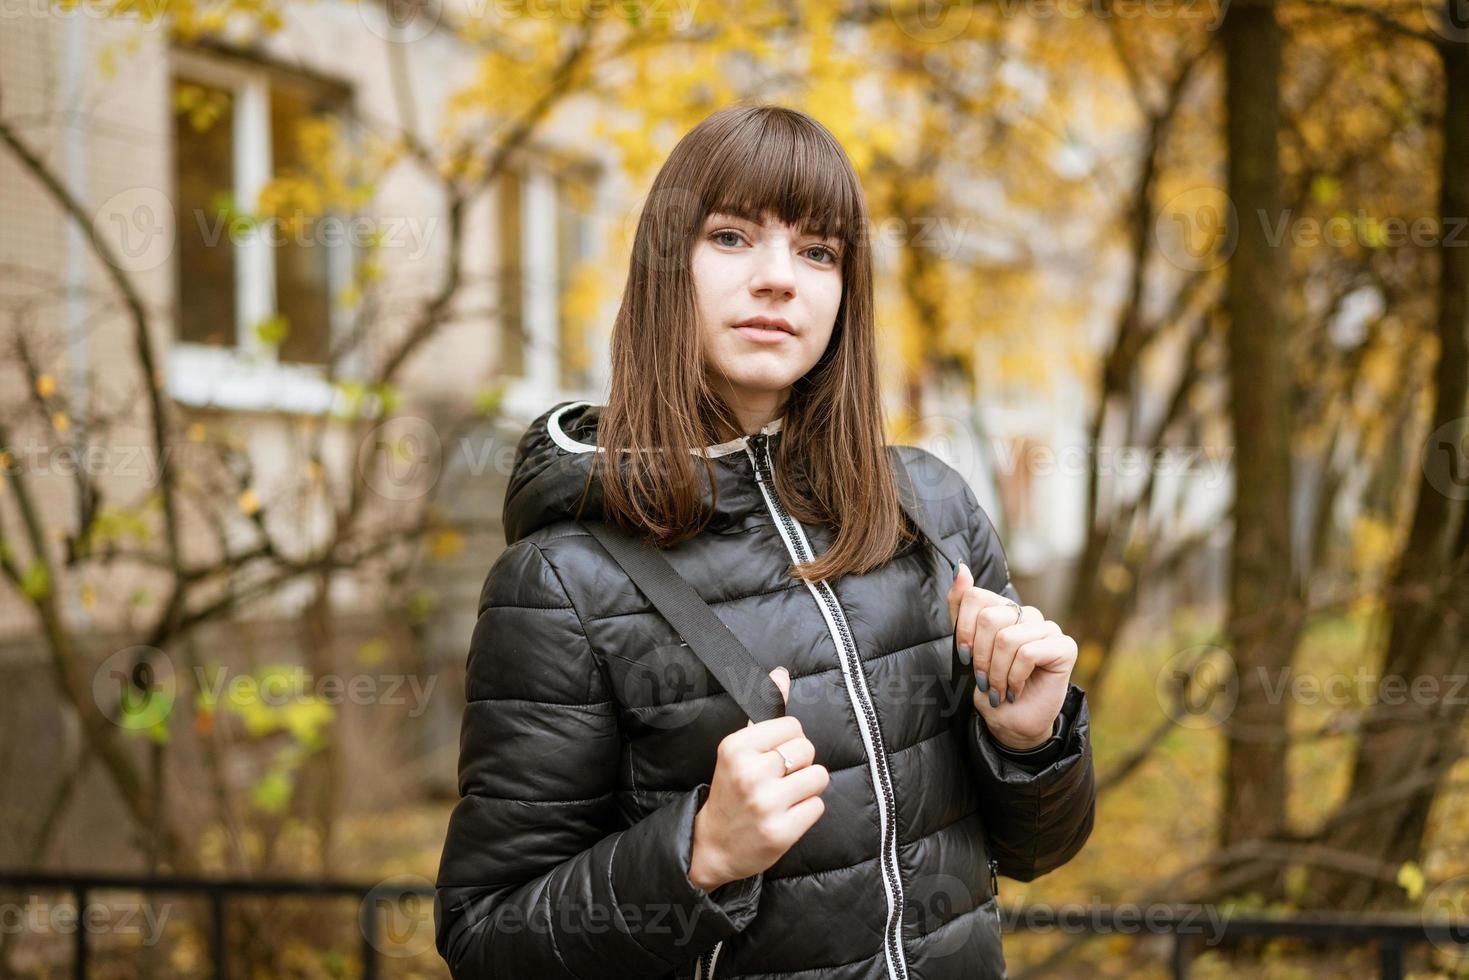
(777, 164)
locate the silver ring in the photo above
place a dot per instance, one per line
(1017, 610)
(790, 763)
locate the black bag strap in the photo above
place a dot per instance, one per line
(725, 656)
(737, 671)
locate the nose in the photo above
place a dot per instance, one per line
(775, 271)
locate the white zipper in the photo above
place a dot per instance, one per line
(836, 621)
(705, 969)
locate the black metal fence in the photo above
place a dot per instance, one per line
(218, 891)
(1392, 935)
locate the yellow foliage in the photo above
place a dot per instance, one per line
(1373, 544)
(445, 543)
(1410, 878)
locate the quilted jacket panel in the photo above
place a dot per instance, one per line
(590, 731)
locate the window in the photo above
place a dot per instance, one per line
(545, 233)
(255, 309)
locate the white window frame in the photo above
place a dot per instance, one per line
(249, 375)
(526, 395)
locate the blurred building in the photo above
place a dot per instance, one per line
(162, 145)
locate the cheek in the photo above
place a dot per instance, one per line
(826, 301)
(710, 279)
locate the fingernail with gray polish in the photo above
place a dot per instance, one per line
(1010, 695)
(982, 681)
(994, 699)
(964, 653)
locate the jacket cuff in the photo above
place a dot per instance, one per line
(1039, 768)
(670, 916)
(1035, 759)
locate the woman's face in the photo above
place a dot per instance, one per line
(744, 270)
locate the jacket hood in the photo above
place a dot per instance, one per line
(554, 458)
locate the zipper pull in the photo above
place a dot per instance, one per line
(757, 449)
(995, 879)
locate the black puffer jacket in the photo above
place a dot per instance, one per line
(590, 734)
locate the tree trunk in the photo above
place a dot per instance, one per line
(1262, 621)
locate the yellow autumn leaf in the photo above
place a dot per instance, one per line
(249, 502)
(60, 422)
(1410, 879)
(45, 385)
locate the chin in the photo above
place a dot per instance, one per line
(758, 380)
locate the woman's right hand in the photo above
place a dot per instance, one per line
(756, 810)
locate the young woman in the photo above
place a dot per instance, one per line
(621, 817)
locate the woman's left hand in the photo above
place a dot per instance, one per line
(1022, 667)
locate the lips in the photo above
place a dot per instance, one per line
(768, 323)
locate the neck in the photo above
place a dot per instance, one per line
(752, 412)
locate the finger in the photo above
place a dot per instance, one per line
(1054, 652)
(1028, 614)
(971, 602)
(1008, 640)
(799, 750)
(764, 736)
(965, 626)
(1024, 663)
(980, 618)
(963, 579)
(782, 678)
(803, 815)
(798, 786)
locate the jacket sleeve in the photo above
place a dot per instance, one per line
(536, 879)
(1039, 805)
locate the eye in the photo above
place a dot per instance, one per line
(723, 232)
(832, 256)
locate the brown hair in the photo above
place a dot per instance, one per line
(749, 161)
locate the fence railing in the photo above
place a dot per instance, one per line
(217, 891)
(1392, 935)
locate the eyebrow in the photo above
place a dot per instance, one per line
(714, 216)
